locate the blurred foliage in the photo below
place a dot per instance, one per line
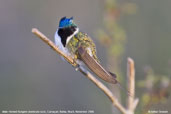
(113, 38)
(156, 89)
(113, 35)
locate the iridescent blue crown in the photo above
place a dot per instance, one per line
(66, 22)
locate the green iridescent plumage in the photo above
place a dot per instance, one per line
(83, 40)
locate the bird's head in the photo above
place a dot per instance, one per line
(66, 22)
(66, 30)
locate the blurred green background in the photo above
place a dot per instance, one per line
(33, 77)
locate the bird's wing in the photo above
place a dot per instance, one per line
(95, 67)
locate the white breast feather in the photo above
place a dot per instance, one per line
(59, 44)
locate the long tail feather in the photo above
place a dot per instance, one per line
(95, 67)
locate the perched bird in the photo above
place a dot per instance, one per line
(81, 47)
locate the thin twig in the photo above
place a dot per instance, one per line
(132, 103)
(108, 93)
(52, 45)
(99, 84)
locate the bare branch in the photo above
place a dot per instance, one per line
(99, 84)
(131, 82)
(52, 45)
(131, 85)
(104, 89)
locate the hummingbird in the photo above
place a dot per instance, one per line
(80, 46)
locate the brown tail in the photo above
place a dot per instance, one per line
(95, 67)
(114, 75)
(120, 85)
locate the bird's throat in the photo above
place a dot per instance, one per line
(67, 33)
